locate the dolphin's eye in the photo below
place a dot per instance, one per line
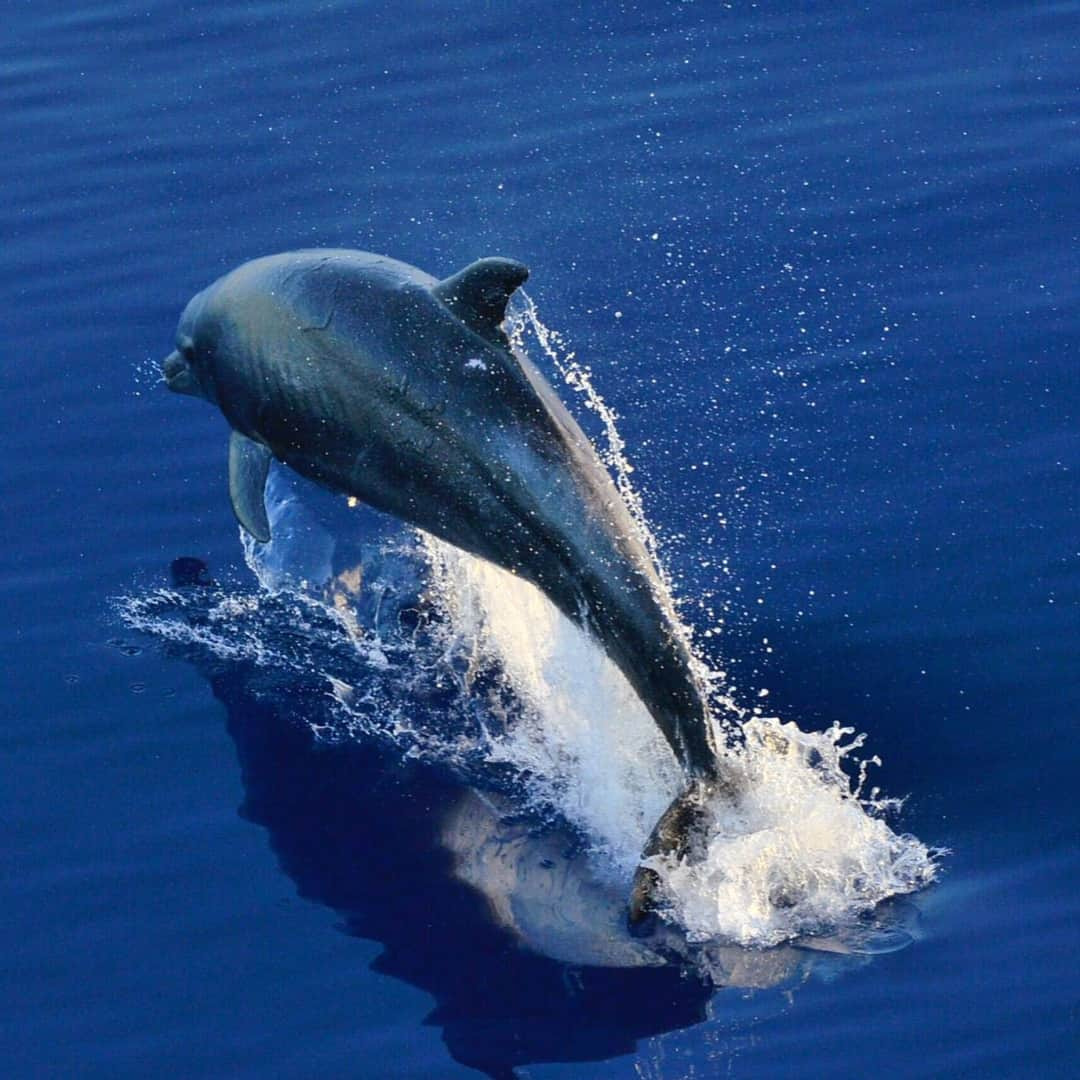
(185, 347)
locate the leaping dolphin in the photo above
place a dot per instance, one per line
(383, 383)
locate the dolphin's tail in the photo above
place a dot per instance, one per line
(679, 832)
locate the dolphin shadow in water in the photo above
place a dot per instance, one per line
(491, 911)
(366, 834)
(360, 836)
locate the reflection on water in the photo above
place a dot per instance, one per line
(369, 769)
(377, 839)
(492, 913)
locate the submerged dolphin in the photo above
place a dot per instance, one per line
(380, 382)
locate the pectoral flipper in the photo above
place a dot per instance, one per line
(249, 462)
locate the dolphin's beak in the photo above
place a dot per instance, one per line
(178, 374)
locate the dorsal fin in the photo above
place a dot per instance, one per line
(478, 295)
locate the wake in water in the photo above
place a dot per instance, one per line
(460, 663)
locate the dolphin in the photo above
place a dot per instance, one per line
(383, 383)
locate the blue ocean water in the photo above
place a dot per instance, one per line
(823, 264)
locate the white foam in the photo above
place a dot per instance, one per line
(800, 851)
(584, 740)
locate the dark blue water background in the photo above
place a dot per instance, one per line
(822, 260)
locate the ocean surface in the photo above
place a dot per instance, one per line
(266, 814)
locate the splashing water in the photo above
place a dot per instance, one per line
(801, 850)
(460, 662)
(584, 739)
(522, 319)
